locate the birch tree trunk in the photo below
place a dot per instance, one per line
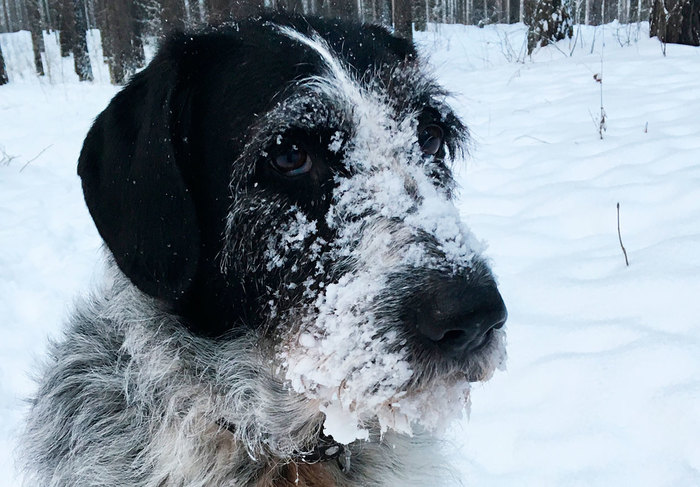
(81, 57)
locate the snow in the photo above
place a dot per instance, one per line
(602, 385)
(19, 58)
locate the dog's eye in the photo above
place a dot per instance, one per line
(430, 139)
(293, 162)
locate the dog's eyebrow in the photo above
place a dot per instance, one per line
(306, 110)
(321, 47)
(337, 78)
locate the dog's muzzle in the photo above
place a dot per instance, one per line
(454, 315)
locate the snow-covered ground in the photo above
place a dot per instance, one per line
(603, 379)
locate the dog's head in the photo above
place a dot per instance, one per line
(291, 178)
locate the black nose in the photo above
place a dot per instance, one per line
(457, 316)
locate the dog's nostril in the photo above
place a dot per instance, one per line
(451, 336)
(500, 320)
(459, 316)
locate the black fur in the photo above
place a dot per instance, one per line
(156, 162)
(225, 272)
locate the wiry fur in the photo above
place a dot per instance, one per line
(130, 397)
(246, 312)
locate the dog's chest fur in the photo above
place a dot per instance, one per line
(124, 403)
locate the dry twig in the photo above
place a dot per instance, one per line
(5, 158)
(619, 235)
(35, 157)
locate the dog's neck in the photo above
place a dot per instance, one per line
(305, 475)
(323, 449)
(269, 439)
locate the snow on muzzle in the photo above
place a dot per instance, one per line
(392, 338)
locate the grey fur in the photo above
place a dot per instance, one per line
(130, 397)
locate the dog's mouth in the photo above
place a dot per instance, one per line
(476, 359)
(456, 344)
(396, 347)
(398, 384)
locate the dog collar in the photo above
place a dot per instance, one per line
(326, 449)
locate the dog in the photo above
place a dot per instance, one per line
(290, 296)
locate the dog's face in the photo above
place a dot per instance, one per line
(292, 179)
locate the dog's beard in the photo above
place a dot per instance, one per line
(348, 353)
(361, 376)
(392, 211)
(342, 351)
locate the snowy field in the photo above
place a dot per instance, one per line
(603, 380)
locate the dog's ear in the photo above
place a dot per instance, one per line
(134, 186)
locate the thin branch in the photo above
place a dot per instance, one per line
(531, 137)
(35, 157)
(5, 158)
(619, 235)
(602, 126)
(573, 47)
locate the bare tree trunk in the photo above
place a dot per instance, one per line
(194, 10)
(287, 5)
(64, 18)
(385, 12)
(223, 10)
(576, 10)
(316, 6)
(80, 48)
(368, 12)
(676, 21)
(610, 10)
(90, 16)
(36, 22)
(11, 16)
(121, 40)
(172, 15)
(460, 14)
(633, 8)
(403, 21)
(6, 22)
(70, 19)
(594, 16)
(344, 9)
(658, 20)
(3, 71)
(217, 10)
(420, 12)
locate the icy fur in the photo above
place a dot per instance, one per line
(340, 353)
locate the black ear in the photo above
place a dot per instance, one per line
(134, 187)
